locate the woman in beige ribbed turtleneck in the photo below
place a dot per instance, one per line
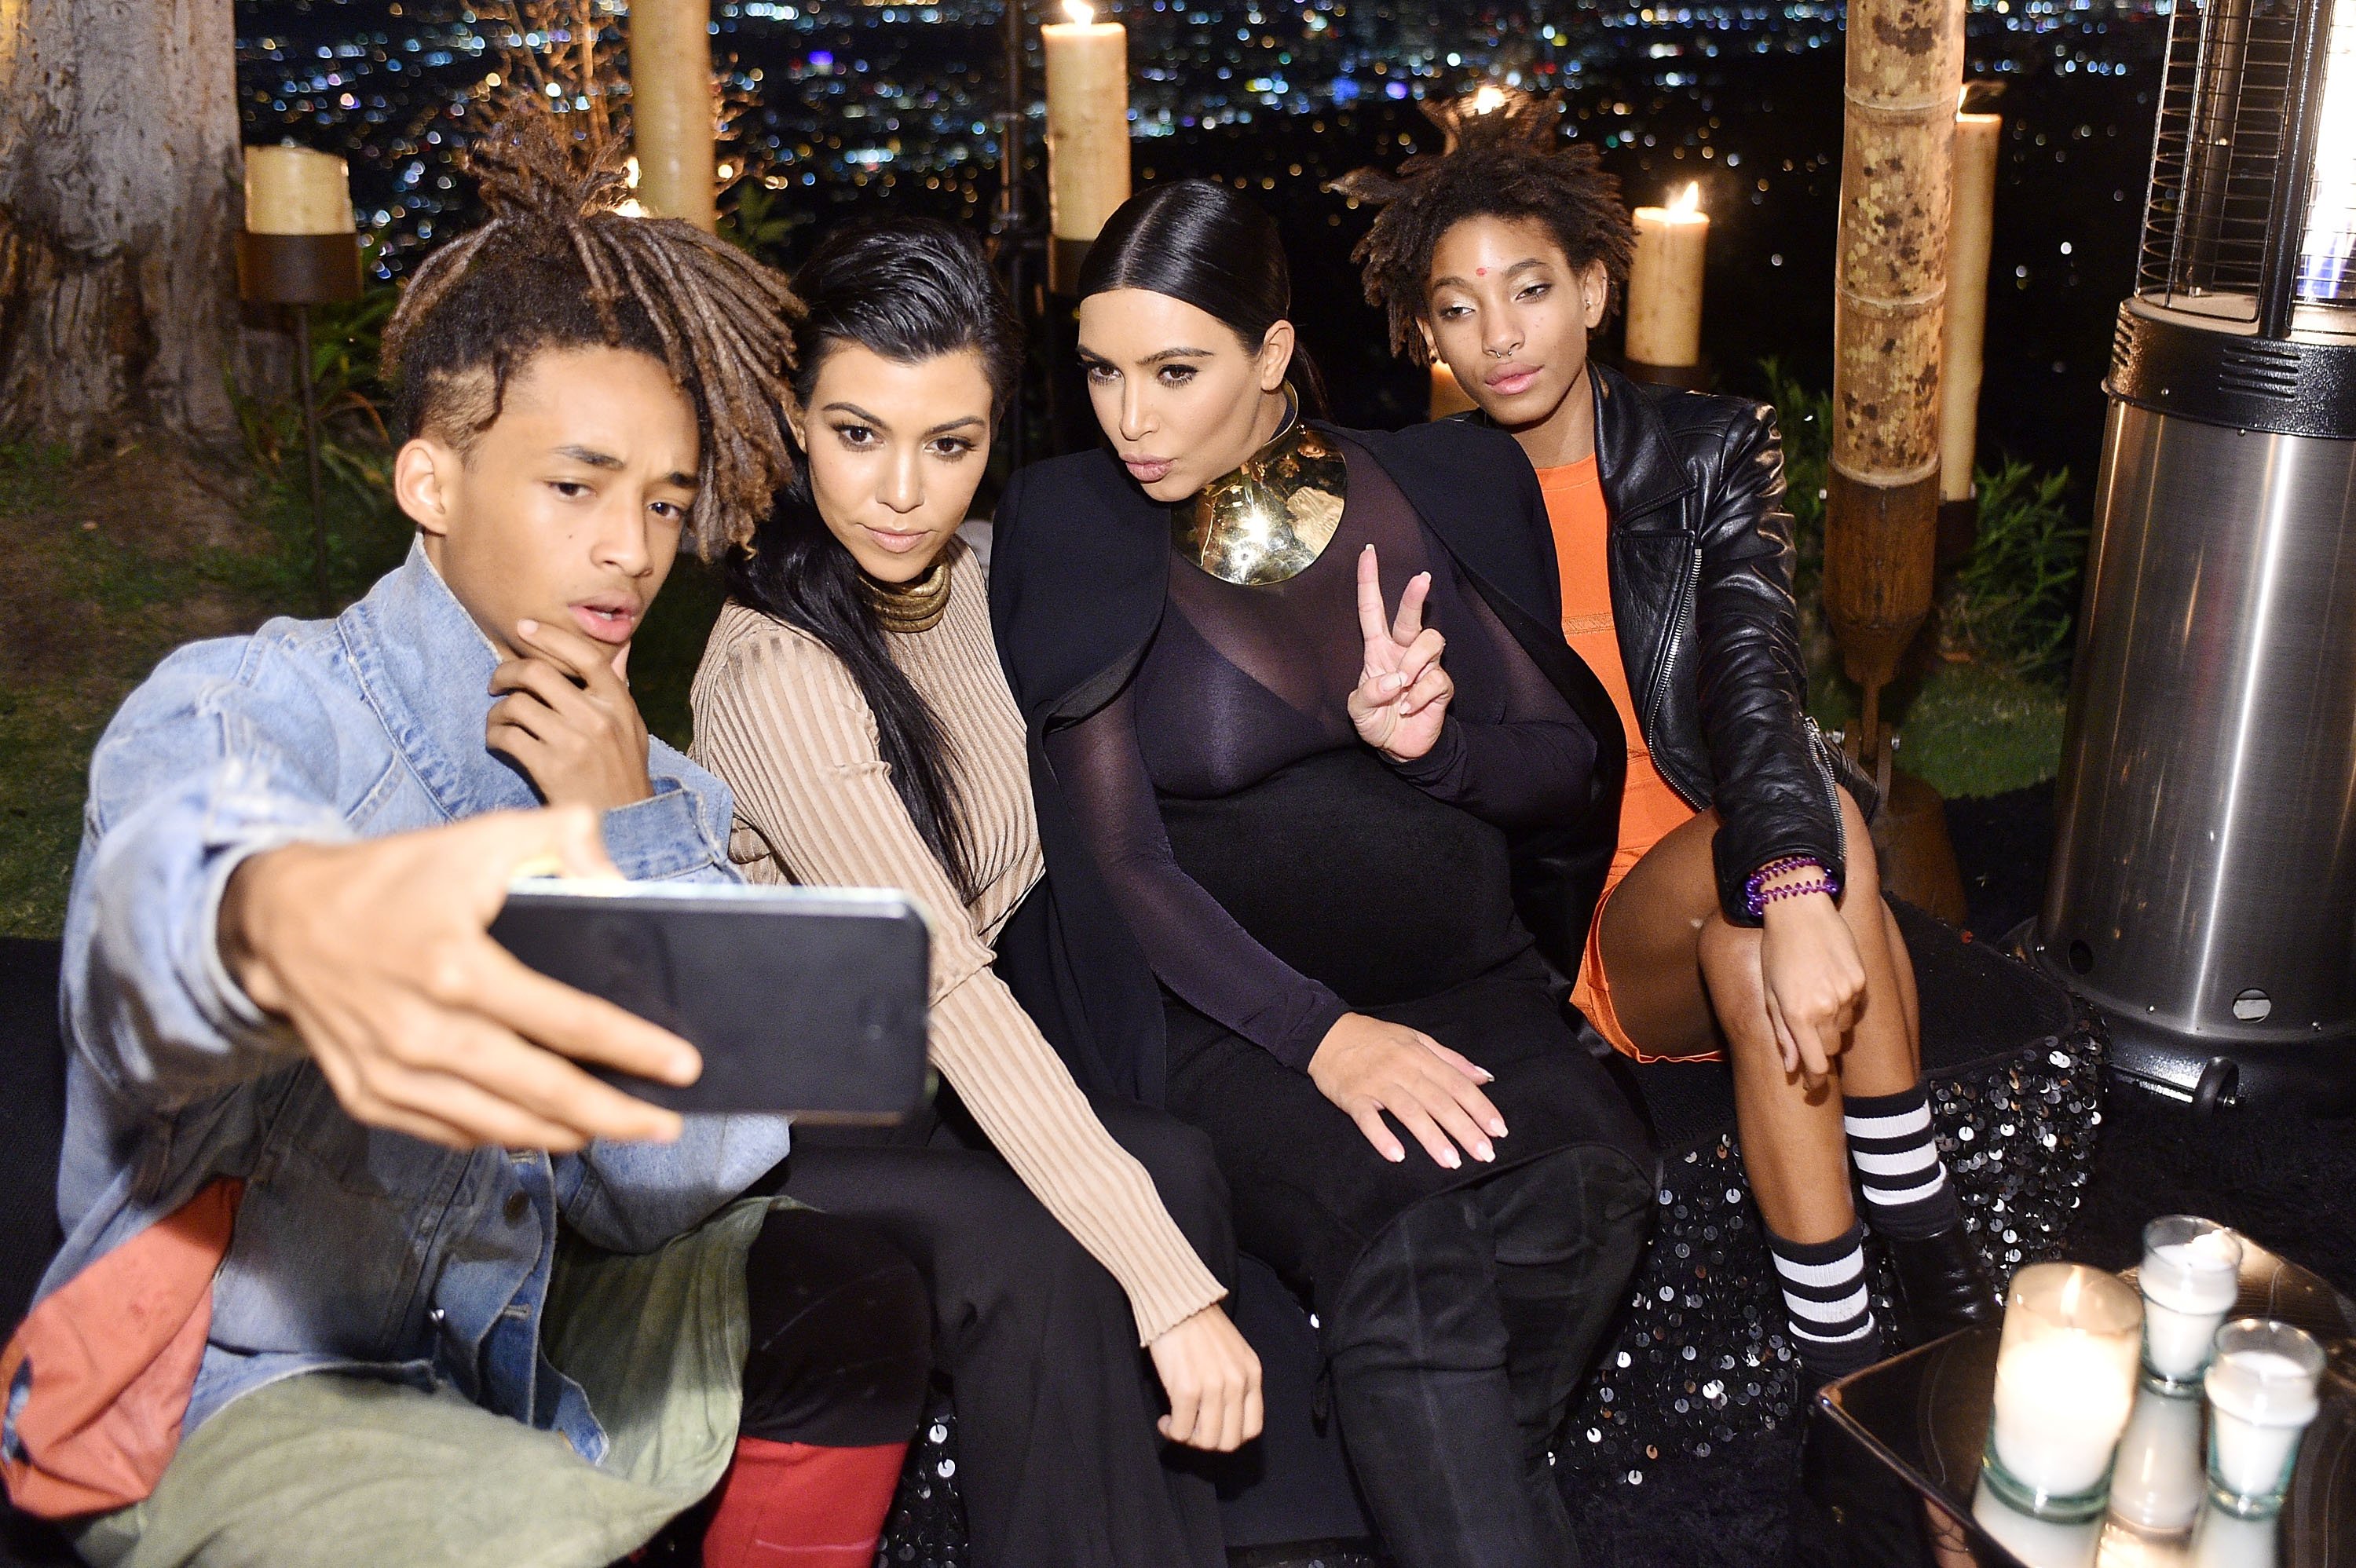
(852, 699)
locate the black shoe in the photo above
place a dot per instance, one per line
(1944, 1284)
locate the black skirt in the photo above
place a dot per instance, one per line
(1403, 906)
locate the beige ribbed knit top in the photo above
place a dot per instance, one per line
(781, 721)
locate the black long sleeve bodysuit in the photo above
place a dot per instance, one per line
(1243, 682)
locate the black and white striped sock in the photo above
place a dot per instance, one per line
(1899, 1175)
(1825, 1301)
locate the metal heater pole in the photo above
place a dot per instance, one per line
(2204, 885)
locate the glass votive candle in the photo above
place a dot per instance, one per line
(2262, 1394)
(2192, 1275)
(2065, 1379)
(2157, 1484)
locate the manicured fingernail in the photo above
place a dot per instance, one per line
(1395, 1155)
(1393, 682)
(1484, 1153)
(1455, 1161)
(527, 627)
(1497, 1125)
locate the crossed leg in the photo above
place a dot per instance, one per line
(1685, 981)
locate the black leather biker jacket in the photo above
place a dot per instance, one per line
(1701, 557)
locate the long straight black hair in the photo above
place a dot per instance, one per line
(1198, 242)
(908, 290)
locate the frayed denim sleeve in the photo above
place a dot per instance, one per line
(224, 752)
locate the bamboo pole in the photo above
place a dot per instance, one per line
(1904, 70)
(671, 112)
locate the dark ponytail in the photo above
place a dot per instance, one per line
(907, 290)
(1200, 242)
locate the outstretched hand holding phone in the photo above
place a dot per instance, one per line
(376, 953)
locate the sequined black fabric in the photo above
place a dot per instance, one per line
(1702, 1359)
(926, 1525)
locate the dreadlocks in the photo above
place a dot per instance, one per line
(557, 267)
(1505, 162)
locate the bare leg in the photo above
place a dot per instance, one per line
(1683, 981)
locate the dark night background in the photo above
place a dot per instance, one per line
(861, 105)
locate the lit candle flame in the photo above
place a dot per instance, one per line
(1489, 98)
(1080, 12)
(1688, 201)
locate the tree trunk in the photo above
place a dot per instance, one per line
(119, 169)
(1905, 66)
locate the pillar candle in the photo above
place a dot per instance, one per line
(1087, 122)
(1970, 226)
(2061, 1405)
(2065, 1378)
(671, 110)
(294, 190)
(1665, 284)
(1448, 395)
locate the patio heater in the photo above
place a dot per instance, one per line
(2204, 885)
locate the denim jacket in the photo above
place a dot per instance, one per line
(354, 1247)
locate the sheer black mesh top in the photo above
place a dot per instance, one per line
(1241, 682)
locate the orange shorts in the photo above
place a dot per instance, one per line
(1591, 992)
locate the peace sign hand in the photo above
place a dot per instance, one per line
(1403, 693)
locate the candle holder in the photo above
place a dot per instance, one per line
(2065, 1380)
(2192, 1275)
(2262, 1394)
(299, 247)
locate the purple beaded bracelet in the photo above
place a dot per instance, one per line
(1757, 896)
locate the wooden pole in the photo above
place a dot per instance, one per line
(1904, 70)
(671, 110)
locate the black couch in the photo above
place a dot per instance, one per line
(1694, 1361)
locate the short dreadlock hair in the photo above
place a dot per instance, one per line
(1505, 163)
(557, 267)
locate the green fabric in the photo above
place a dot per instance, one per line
(328, 1468)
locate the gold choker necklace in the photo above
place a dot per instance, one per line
(911, 607)
(1271, 518)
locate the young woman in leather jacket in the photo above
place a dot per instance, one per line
(1736, 917)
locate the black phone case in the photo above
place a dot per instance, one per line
(806, 1003)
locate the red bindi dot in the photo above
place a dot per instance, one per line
(1479, 272)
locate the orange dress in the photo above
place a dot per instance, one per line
(1650, 809)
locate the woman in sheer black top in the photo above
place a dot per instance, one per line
(1321, 791)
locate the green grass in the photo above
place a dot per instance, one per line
(104, 605)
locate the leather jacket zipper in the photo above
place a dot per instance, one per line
(1649, 714)
(1817, 744)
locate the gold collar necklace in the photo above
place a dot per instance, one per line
(915, 606)
(1271, 518)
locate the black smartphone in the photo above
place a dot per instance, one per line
(810, 1001)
